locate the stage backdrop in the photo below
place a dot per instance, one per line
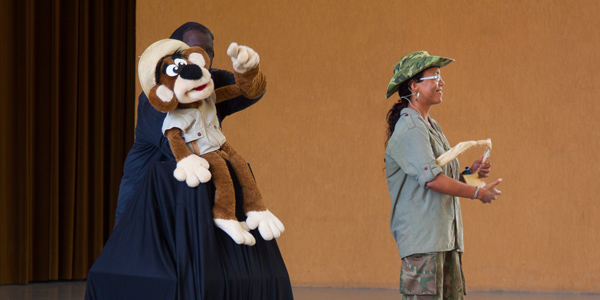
(526, 76)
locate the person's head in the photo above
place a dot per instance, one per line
(414, 79)
(428, 88)
(196, 35)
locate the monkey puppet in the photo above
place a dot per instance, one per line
(177, 81)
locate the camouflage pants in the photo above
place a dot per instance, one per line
(432, 276)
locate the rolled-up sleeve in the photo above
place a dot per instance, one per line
(412, 151)
(177, 119)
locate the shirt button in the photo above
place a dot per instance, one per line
(426, 168)
(199, 133)
(215, 127)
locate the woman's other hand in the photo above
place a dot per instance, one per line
(489, 192)
(482, 169)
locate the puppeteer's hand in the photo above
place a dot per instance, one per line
(244, 58)
(483, 169)
(193, 169)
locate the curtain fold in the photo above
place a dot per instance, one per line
(67, 120)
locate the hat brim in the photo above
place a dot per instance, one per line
(433, 61)
(151, 56)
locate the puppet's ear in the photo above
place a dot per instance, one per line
(162, 98)
(198, 56)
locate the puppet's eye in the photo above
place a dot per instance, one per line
(180, 62)
(172, 70)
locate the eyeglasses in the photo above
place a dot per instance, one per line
(437, 78)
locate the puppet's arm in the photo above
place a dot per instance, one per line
(178, 147)
(190, 167)
(250, 81)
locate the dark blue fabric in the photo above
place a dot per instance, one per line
(151, 145)
(167, 247)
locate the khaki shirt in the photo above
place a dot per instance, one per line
(422, 220)
(199, 125)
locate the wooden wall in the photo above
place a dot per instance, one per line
(526, 76)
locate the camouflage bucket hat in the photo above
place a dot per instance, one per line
(412, 64)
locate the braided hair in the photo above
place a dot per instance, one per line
(394, 113)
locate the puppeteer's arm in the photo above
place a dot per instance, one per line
(149, 125)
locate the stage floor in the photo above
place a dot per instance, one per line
(74, 290)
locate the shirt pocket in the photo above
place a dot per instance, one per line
(194, 133)
(418, 274)
(216, 133)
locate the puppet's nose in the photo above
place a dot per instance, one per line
(191, 72)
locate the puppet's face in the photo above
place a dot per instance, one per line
(181, 78)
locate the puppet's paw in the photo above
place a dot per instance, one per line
(245, 226)
(238, 232)
(268, 224)
(193, 170)
(244, 58)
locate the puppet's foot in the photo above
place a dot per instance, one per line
(193, 169)
(237, 231)
(268, 224)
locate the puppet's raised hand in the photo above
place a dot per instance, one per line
(193, 169)
(268, 224)
(244, 58)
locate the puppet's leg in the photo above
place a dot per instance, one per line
(258, 215)
(224, 208)
(252, 197)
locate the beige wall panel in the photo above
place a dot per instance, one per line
(526, 76)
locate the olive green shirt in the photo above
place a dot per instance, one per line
(422, 220)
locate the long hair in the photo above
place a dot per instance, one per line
(394, 113)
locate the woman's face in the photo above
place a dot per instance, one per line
(431, 89)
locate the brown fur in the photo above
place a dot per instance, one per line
(252, 196)
(167, 81)
(224, 207)
(251, 84)
(227, 92)
(178, 146)
(160, 105)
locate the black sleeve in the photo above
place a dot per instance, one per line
(149, 127)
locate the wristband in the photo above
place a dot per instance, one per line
(476, 193)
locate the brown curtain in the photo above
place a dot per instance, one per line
(67, 117)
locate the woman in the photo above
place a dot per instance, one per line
(425, 217)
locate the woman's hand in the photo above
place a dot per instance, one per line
(482, 169)
(489, 192)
